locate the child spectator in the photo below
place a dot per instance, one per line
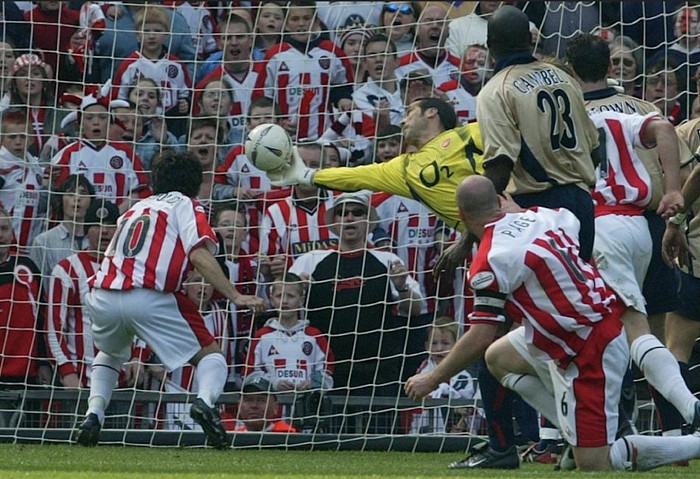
(154, 61)
(230, 223)
(112, 167)
(388, 143)
(239, 179)
(442, 338)
(69, 204)
(292, 354)
(183, 379)
(202, 142)
(30, 90)
(151, 132)
(214, 100)
(306, 74)
(22, 191)
(201, 24)
(269, 25)
(352, 41)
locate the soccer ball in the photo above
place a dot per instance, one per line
(269, 147)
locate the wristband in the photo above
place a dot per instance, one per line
(678, 219)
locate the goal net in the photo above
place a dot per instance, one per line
(93, 98)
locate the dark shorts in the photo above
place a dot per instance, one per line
(661, 282)
(574, 199)
(688, 304)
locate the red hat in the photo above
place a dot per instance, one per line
(30, 60)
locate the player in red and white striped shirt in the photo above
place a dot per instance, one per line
(622, 249)
(136, 292)
(569, 357)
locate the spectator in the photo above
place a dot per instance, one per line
(215, 101)
(259, 410)
(70, 202)
(306, 62)
(151, 130)
(23, 347)
(241, 268)
(123, 125)
(388, 144)
(352, 41)
(269, 26)
(379, 97)
(22, 193)
(441, 339)
(296, 224)
(430, 52)
(399, 20)
(462, 91)
(293, 355)
(119, 39)
(357, 314)
(683, 55)
(53, 24)
(112, 167)
(69, 336)
(243, 77)
(626, 64)
(201, 23)
(30, 90)
(184, 379)
(202, 143)
(663, 87)
(239, 179)
(153, 61)
(470, 29)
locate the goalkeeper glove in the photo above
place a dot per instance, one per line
(295, 173)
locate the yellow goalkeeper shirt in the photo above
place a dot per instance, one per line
(430, 175)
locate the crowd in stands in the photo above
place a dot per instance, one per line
(94, 93)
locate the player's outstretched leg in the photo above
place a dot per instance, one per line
(210, 420)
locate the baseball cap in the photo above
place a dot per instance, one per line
(256, 382)
(361, 197)
(101, 211)
(31, 60)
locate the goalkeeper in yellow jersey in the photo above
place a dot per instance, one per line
(446, 155)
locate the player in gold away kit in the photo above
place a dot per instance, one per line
(446, 155)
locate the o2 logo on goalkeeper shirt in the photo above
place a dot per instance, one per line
(482, 279)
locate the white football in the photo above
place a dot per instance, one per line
(268, 147)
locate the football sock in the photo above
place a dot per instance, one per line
(498, 408)
(647, 452)
(663, 373)
(532, 389)
(211, 377)
(103, 379)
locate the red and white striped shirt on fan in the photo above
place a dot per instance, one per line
(151, 247)
(528, 268)
(69, 334)
(623, 185)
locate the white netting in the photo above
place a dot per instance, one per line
(182, 97)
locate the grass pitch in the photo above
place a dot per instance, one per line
(115, 462)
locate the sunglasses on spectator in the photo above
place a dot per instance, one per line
(628, 62)
(356, 212)
(393, 8)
